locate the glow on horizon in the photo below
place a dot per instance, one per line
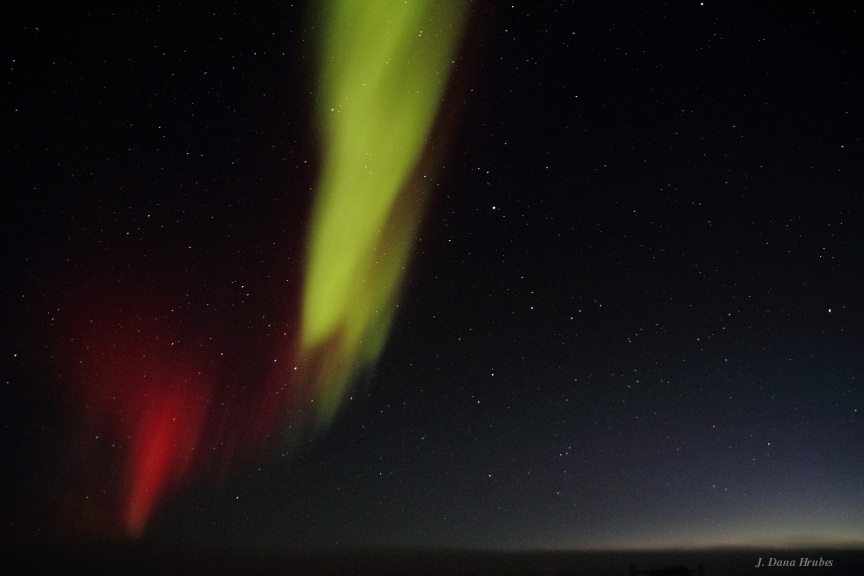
(745, 539)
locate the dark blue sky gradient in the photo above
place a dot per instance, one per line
(633, 316)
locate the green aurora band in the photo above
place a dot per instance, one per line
(384, 66)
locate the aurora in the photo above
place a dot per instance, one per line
(167, 394)
(383, 68)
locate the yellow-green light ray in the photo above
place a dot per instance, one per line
(384, 65)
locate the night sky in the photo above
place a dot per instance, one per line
(632, 314)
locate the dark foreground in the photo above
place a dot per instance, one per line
(146, 559)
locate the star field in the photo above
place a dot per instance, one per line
(631, 316)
